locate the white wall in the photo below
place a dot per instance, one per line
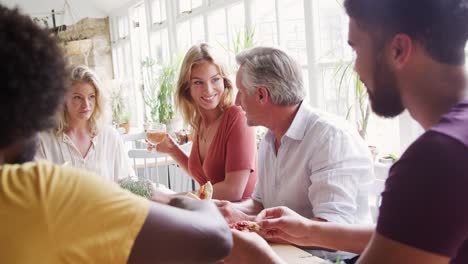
(79, 8)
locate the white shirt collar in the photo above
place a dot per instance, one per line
(298, 127)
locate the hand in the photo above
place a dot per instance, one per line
(230, 212)
(166, 146)
(160, 197)
(249, 247)
(285, 224)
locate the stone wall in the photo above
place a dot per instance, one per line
(99, 57)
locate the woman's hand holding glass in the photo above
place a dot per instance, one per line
(155, 133)
(159, 140)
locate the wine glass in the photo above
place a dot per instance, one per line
(155, 133)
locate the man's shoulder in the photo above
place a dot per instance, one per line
(28, 169)
(433, 159)
(327, 124)
(455, 123)
(41, 170)
(34, 181)
(434, 143)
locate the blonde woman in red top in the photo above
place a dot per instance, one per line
(224, 148)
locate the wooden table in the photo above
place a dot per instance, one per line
(295, 255)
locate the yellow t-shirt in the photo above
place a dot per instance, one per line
(56, 214)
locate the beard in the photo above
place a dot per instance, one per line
(27, 152)
(385, 98)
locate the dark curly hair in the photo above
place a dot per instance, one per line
(441, 26)
(33, 74)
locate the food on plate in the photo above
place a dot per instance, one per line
(206, 191)
(246, 226)
(193, 196)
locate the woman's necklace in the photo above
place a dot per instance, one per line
(206, 135)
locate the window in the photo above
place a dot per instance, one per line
(158, 11)
(332, 32)
(190, 32)
(314, 32)
(160, 45)
(265, 22)
(122, 27)
(218, 34)
(292, 23)
(187, 6)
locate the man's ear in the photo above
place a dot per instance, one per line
(401, 49)
(262, 94)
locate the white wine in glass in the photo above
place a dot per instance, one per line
(156, 133)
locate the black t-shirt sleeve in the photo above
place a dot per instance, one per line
(425, 202)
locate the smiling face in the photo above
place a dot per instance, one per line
(375, 72)
(206, 85)
(81, 101)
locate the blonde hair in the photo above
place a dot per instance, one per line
(184, 101)
(78, 74)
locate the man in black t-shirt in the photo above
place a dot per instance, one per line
(410, 55)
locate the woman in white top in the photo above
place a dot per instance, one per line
(81, 139)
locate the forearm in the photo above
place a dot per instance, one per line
(343, 237)
(181, 158)
(224, 191)
(232, 187)
(212, 236)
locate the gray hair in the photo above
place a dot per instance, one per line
(275, 70)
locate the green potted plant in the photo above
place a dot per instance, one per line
(349, 79)
(143, 188)
(158, 89)
(120, 116)
(124, 121)
(242, 40)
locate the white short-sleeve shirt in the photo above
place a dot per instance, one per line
(107, 156)
(322, 169)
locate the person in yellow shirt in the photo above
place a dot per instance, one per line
(56, 214)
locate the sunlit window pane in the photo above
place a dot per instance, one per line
(186, 6)
(305, 78)
(183, 36)
(210, 2)
(196, 3)
(120, 62)
(190, 33)
(332, 29)
(115, 63)
(127, 56)
(236, 20)
(292, 16)
(385, 134)
(236, 25)
(198, 30)
(122, 27)
(217, 28)
(158, 11)
(336, 90)
(160, 45)
(265, 22)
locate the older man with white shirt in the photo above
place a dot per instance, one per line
(309, 161)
